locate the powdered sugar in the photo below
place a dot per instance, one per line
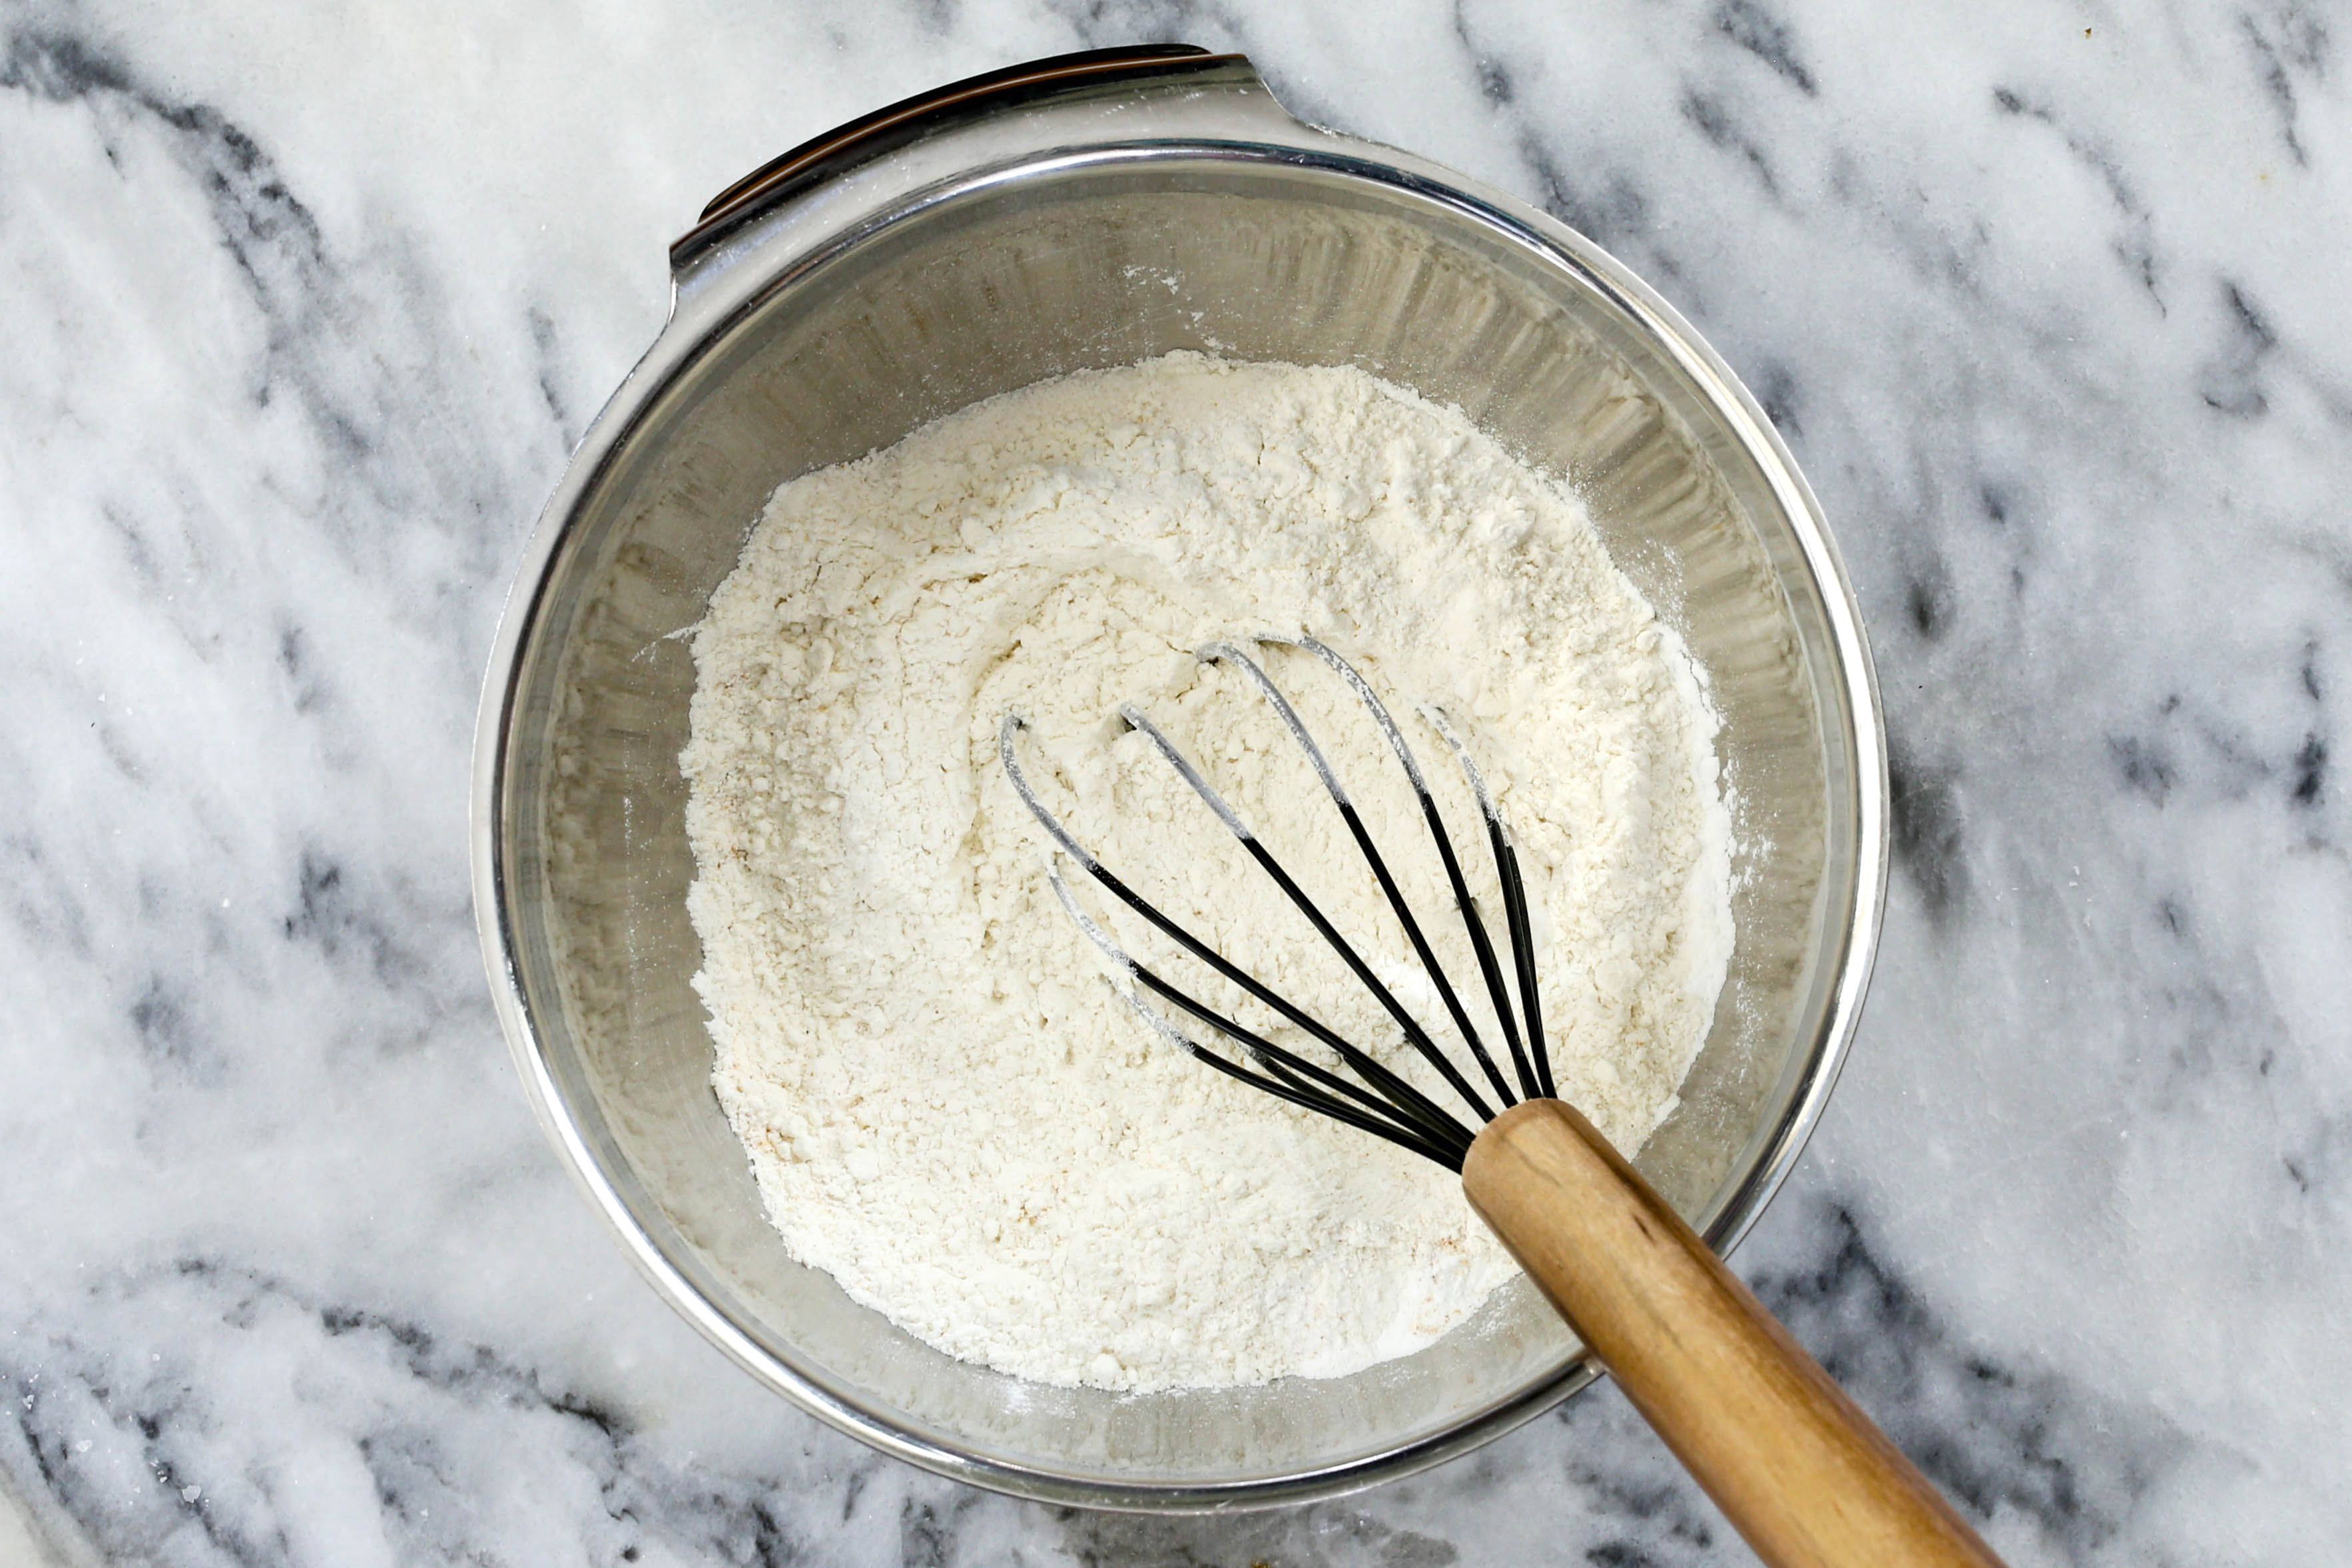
(946, 1106)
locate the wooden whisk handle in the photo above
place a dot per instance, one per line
(1798, 1469)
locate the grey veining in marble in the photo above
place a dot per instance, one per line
(302, 307)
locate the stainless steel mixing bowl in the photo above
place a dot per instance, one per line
(1088, 212)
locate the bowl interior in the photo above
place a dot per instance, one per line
(991, 288)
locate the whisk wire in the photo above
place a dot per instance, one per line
(1384, 1104)
(1321, 1104)
(1523, 951)
(1414, 1033)
(1515, 908)
(1481, 945)
(1421, 1108)
(1441, 1138)
(1415, 1112)
(1222, 652)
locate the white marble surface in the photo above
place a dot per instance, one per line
(302, 306)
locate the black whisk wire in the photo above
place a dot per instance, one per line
(1230, 653)
(1442, 1138)
(1480, 944)
(1410, 1100)
(1515, 897)
(1416, 1035)
(1385, 1105)
(1451, 1158)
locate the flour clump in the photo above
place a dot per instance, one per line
(946, 1106)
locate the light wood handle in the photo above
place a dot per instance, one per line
(1798, 1469)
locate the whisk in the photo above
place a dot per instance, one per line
(1798, 1469)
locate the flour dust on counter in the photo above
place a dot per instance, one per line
(948, 1107)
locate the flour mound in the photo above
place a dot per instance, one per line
(946, 1106)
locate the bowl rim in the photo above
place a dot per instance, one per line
(700, 318)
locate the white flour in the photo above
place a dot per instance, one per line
(946, 1106)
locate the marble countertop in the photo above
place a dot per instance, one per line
(304, 306)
